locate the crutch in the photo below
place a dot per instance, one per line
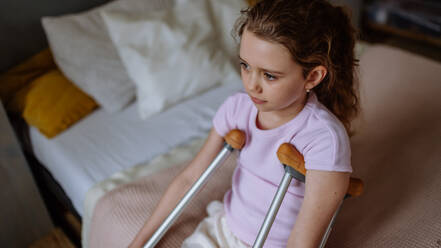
(235, 139)
(294, 165)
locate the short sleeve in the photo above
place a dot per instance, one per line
(329, 151)
(226, 117)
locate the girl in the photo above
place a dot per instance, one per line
(297, 66)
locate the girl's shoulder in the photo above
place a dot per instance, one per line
(322, 124)
(239, 97)
(233, 113)
(238, 102)
(323, 118)
(324, 141)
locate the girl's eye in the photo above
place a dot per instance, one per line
(244, 66)
(269, 76)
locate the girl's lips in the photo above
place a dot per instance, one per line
(257, 101)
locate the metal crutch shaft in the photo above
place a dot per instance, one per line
(187, 197)
(272, 212)
(331, 224)
(234, 140)
(293, 162)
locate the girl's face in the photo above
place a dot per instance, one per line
(272, 79)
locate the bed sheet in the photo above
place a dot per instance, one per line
(103, 144)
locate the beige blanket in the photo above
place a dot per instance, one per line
(396, 151)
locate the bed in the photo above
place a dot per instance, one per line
(112, 133)
(395, 150)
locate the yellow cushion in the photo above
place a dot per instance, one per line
(52, 103)
(252, 2)
(19, 76)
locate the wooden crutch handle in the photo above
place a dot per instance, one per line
(356, 187)
(288, 155)
(235, 138)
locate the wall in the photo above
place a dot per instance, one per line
(21, 33)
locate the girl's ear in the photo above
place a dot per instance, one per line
(315, 76)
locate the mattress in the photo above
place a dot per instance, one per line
(103, 144)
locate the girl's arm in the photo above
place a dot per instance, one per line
(323, 194)
(179, 186)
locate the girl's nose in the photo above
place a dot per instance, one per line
(253, 83)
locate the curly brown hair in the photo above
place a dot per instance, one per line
(316, 33)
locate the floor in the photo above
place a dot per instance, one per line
(62, 236)
(56, 239)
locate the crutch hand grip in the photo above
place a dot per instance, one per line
(288, 155)
(235, 138)
(356, 187)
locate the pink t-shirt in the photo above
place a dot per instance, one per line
(315, 132)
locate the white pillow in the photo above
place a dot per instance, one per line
(84, 52)
(176, 53)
